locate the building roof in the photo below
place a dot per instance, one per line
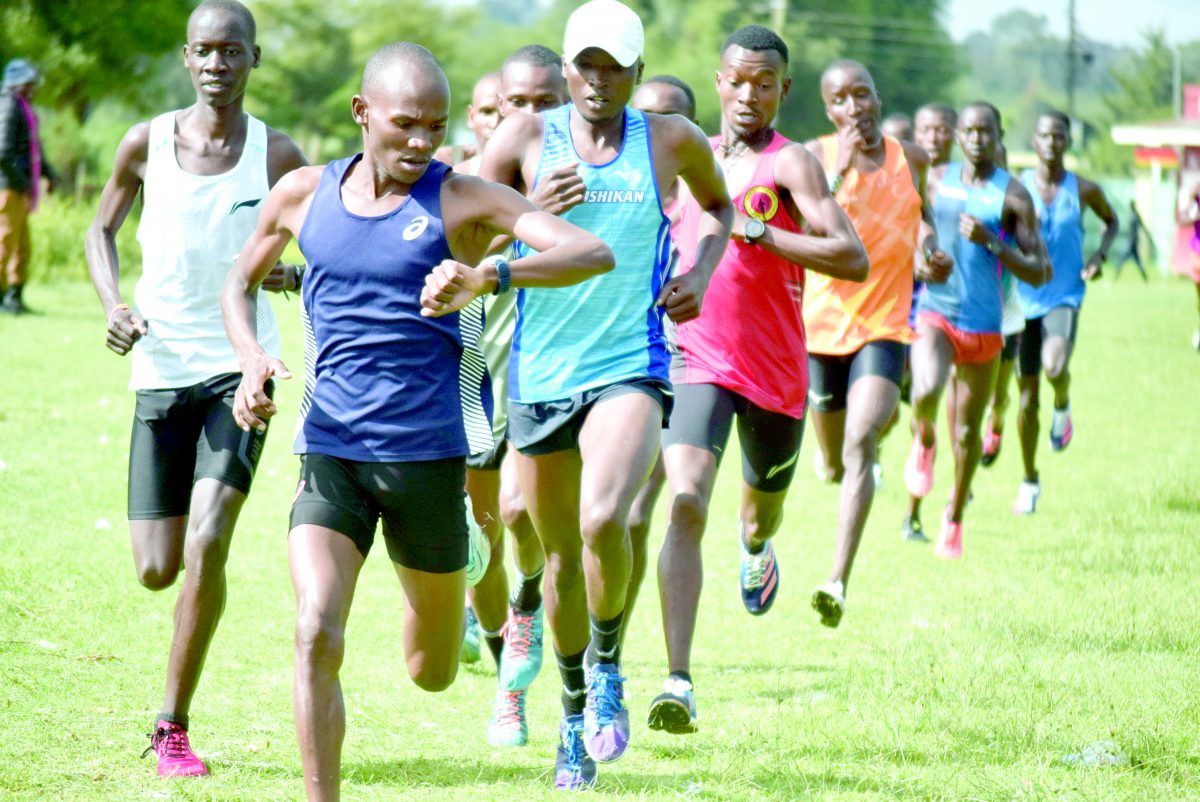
(1164, 133)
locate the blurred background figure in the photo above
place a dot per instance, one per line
(22, 168)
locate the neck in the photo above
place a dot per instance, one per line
(218, 122)
(734, 143)
(1051, 172)
(370, 178)
(978, 172)
(600, 133)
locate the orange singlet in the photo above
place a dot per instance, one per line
(841, 316)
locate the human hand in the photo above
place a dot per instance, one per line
(124, 329)
(559, 191)
(974, 230)
(937, 266)
(450, 286)
(1094, 267)
(282, 278)
(683, 296)
(252, 407)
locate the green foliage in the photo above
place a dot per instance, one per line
(57, 229)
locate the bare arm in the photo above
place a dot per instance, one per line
(280, 220)
(932, 264)
(1093, 197)
(832, 247)
(477, 210)
(1028, 260)
(100, 243)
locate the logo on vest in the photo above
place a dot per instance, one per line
(614, 196)
(246, 204)
(416, 228)
(761, 203)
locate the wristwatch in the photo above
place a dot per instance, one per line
(753, 230)
(995, 247)
(503, 275)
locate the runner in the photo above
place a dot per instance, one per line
(1052, 309)
(745, 356)
(202, 173)
(857, 332)
(531, 80)
(391, 405)
(1187, 213)
(589, 383)
(898, 126)
(977, 210)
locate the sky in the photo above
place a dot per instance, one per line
(1111, 21)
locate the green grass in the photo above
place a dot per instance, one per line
(945, 681)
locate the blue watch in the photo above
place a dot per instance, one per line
(503, 275)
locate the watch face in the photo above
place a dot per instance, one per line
(755, 229)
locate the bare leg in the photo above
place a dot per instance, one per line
(761, 514)
(1056, 360)
(932, 356)
(972, 391)
(1027, 423)
(527, 549)
(640, 517)
(691, 472)
(325, 566)
(871, 402)
(1000, 396)
(432, 625)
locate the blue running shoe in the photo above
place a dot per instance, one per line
(469, 651)
(605, 717)
(573, 769)
(521, 659)
(759, 578)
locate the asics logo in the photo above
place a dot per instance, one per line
(248, 204)
(416, 228)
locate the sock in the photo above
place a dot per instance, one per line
(527, 595)
(574, 692)
(495, 643)
(746, 541)
(681, 675)
(605, 645)
(173, 718)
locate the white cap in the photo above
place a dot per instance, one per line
(611, 26)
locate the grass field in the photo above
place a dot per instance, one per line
(969, 680)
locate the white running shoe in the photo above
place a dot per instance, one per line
(479, 550)
(829, 600)
(1027, 497)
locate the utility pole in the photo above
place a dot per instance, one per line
(778, 15)
(1072, 58)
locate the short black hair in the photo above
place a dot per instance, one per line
(534, 56)
(758, 38)
(983, 104)
(1056, 114)
(681, 85)
(943, 109)
(233, 7)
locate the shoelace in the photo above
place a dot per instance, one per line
(175, 742)
(757, 568)
(605, 694)
(514, 709)
(572, 743)
(519, 634)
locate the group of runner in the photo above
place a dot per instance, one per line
(553, 330)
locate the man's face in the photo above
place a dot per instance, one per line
(852, 104)
(934, 134)
(751, 84)
(599, 86)
(978, 135)
(1051, 139)
(530, 88)
(404, 121)
(662, 99)
(483, 115)
(219, 55)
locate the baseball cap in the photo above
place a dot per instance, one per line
(19, 71)
(611, 26)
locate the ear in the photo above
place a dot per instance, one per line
(257, 51)
(717, 80)
(786, 87)
(184, 51)
(641, 68)
(358, 108)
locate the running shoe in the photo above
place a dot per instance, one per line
(1061, 429)
(674, 710)
(991, 448)
(918, 471)
(479, 549)
(169, 743)
(574, 770)
(1196, 340)
(605, 717)
(1027, 497)
(877, 475)
(829, 600)
(521, 659)
(949, 545)
(912, 530)
(759, 578)
(469, 651)
(507, 726)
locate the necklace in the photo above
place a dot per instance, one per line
(742, 146)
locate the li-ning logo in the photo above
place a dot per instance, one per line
(416, 228)
(248, 204)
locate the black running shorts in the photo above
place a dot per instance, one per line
(1061, 321)
(830, 376)
(183, 435)
(421, 504)
(770, 441)
(546, 427)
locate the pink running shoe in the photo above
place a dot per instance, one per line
(949, 545)
(169, 742)
(918, 471)
(991, 448)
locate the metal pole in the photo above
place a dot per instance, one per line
(1177, 81)
(778, 15)
(1071, 47)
